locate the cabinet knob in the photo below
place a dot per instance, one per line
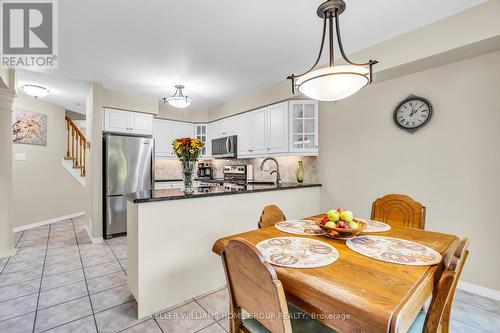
(268, 148)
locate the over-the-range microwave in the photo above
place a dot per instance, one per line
(226, 147)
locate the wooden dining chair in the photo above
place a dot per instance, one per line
(254, 286)
(399, 210)
(437, 318)
(270, 216)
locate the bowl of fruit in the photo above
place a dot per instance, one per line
(341, 224)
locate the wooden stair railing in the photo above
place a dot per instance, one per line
(77, 144)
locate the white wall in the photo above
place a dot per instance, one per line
(451, 165)
(190, 114)
(128, 101)
(93, 196)
(43, 188)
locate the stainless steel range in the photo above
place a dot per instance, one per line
(236, 177)
(240, 174)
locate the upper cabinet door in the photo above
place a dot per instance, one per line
(120, 121)
(183, 130)
(242, 130)
(163, 135)
(278, 128)
(141, 123)
(201, 133)
(258, 131)
(116, 121)
(214, 129)
(304, 117)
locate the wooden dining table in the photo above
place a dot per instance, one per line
(357, 293)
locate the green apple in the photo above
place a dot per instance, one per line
(353, 225)
(331, 224)
(333, 215)
(346, 216)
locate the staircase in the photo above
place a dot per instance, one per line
(76, 152)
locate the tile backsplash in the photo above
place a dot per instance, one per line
(167, 169)
(171, 169)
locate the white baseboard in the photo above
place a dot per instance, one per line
(97, 240)
(479, 290)
(49, 221)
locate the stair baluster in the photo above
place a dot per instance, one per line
(77, 144)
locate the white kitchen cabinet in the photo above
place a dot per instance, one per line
(258, 131)
(169, 184)
(241, 126)
(166, 131)
(223, 127)
(163, 135)
(201, 133)
(287, 127)
(277, 119)
(141, 123)
(214, 129)
(120, 121)
(269, 130)
(303, 123)
(115, 120)
(182, 130)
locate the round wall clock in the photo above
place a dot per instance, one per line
(412, 113)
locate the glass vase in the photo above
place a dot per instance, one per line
(300, 172)
(187, 175)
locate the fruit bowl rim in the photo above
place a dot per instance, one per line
(343, 230)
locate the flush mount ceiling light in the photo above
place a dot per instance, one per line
(334, 82)
(35, 91)
(178, 100)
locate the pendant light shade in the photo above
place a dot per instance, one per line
(178, 100)
(334, 82)
(35, 90)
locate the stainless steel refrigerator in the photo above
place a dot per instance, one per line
(128, 168)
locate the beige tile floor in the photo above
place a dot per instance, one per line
(60, 282)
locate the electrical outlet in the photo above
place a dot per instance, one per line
(20, 157)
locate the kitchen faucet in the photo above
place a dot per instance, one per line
(277, 171)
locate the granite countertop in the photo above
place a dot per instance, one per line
(167, 180)
(178, 194)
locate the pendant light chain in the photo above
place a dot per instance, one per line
(330, 39)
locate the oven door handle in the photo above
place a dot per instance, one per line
(228, 144)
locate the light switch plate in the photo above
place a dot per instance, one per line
(20, 157)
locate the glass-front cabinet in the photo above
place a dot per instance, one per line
(303, 136)
(201, 133)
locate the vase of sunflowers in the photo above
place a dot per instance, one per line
(188, 150)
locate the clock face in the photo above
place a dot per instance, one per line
(412, 113)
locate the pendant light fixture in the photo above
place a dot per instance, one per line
(178, 100)
(334, 82)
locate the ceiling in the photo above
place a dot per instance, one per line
(69, 93)
(217, 49)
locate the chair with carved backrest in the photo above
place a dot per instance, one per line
(399, 210)
(438, 315)
(254, 286)
(270, 216)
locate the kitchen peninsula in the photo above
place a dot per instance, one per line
(170, 236)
